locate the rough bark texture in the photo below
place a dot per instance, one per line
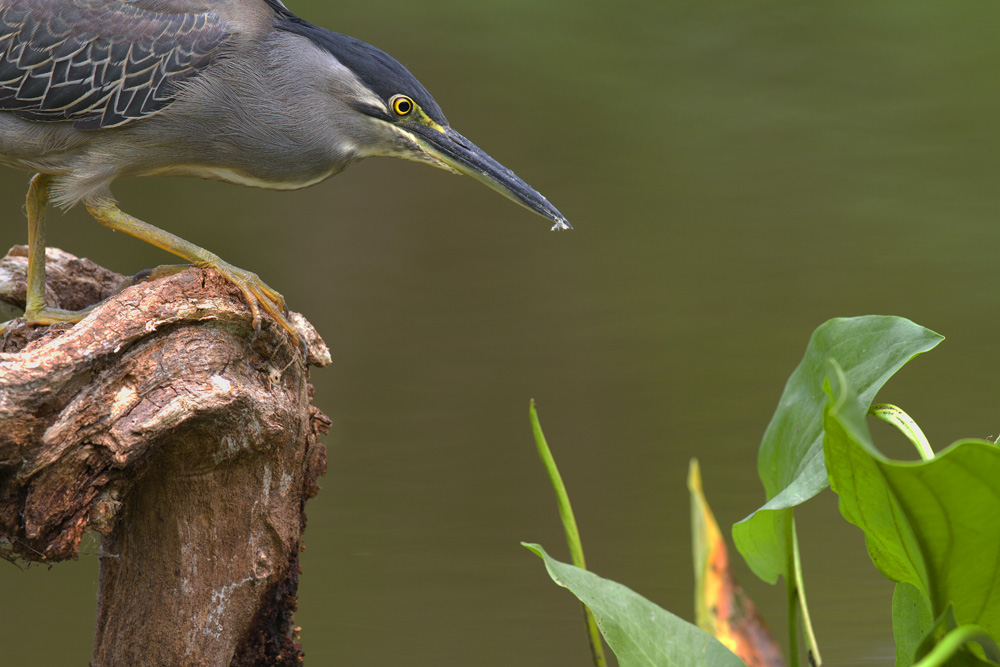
(163, 423)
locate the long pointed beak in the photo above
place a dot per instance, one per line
(459, 154)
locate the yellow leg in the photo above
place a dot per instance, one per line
(36, 311)
(34, 206)
(257, 294)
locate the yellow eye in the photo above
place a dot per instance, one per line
(402, 105)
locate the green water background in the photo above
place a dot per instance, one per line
(737, 171)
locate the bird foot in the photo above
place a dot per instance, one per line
(258, 295)
(47, 315)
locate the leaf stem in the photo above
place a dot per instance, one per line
(791, 591)
(895, 416)
(793, 626)
(954, 641)
(569, 526)
(807, 627)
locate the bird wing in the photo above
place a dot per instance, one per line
(99, 63)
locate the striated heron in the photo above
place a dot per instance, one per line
(241, 91)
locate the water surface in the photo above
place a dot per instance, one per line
(737, 172)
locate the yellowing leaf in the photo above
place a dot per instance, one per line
(722, 608)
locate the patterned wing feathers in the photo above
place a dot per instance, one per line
(98, 63)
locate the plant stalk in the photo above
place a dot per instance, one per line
(952, 642)
(807, 627)
(569, 526)
(791, 592)
(895, 416)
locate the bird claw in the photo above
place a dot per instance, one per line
(256, 292)
(258, 296)
(46, 316)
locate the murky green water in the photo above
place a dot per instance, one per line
(738, 172)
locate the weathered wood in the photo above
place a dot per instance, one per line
(162, 422)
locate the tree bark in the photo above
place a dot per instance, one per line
(162, 422)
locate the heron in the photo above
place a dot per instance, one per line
(240, 91)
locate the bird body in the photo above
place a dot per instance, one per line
(241, 91)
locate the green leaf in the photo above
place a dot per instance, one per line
(640, 633)
(934, 524)
(790, 460)
(912, 621)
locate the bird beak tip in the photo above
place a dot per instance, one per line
(450, 150)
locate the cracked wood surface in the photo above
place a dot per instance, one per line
(161, 422)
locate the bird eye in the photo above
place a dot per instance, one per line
(402, 105)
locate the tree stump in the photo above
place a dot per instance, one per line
(162, 422)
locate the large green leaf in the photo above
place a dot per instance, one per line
(790, 460)
(640, 633)
(934, 525)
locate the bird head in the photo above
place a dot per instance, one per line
(401, 119)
